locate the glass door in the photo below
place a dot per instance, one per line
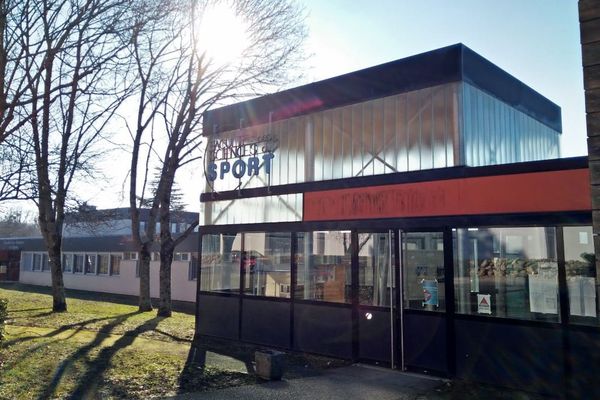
(377, 296)
(422, 341)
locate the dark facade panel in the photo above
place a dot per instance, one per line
(266, 322)
(425, 342)
(518, 356)
(218, 316)
(22, 244)
(323, 329)
(585, 356)
(374, 335)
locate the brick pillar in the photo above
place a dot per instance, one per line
(589, 24)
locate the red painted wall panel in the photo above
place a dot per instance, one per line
(551, 191)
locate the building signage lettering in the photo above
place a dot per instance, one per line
(239, 156)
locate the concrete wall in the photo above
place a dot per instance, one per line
(182, 289)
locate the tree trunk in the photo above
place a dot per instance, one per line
(59, 303)
(145, 302)
(166, 259)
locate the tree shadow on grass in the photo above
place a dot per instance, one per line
(76, 327)
(95, 368)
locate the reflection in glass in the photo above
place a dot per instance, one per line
(266, 264)
(423, 270)
(323, 260)
(220, 270)
(580, 267)
(514, 269)
(375, 268)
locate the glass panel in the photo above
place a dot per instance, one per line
(580, 267)
(390, 149)
(338, 144)
(414, 130)
(495, 133)
(45, 264)
(318, 146)
(103, 264)
(78, 263)
(426, 112)
(193, 268)
(407, 131)
(423, 270)
(357, 139)
(68, 262)
(347, 141)
(267, 264)
(220, 270)
(506, 272)
(90, 263)
(401, 134)
(374, 269)
(115, 264)
(367, 139)
(253, 210)
(378, 138)
(324, 266)
(37, 262)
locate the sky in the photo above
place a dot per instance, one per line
(536, 41)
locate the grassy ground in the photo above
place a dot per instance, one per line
(105, 349)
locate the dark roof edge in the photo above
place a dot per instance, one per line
(487, 76)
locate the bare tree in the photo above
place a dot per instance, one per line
(70, 58)
(180, 81)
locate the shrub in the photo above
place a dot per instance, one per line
(3, 315)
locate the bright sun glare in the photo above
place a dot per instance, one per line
(222, 34)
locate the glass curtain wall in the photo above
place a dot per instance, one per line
(582, 274)
(324, 266)
(494, 132)
(266, 264)
(423, 270)
(220, 271)
(375, 269)
(506, 272)
(405, 132)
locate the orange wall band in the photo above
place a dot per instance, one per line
(567, 190)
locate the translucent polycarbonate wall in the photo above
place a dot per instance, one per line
(285, 208)
(493, 132)
(405, 132)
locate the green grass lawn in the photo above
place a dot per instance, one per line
(101, 349)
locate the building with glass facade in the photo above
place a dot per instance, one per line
(414, 214)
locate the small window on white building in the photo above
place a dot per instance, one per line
(103, 262)
(45, 263)
(67, 262)
(130, 255)
(37, 262)
(90, 264)
(181, 257)
(78, 263)
(115, 264)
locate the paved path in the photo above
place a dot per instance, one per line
(348, 383)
